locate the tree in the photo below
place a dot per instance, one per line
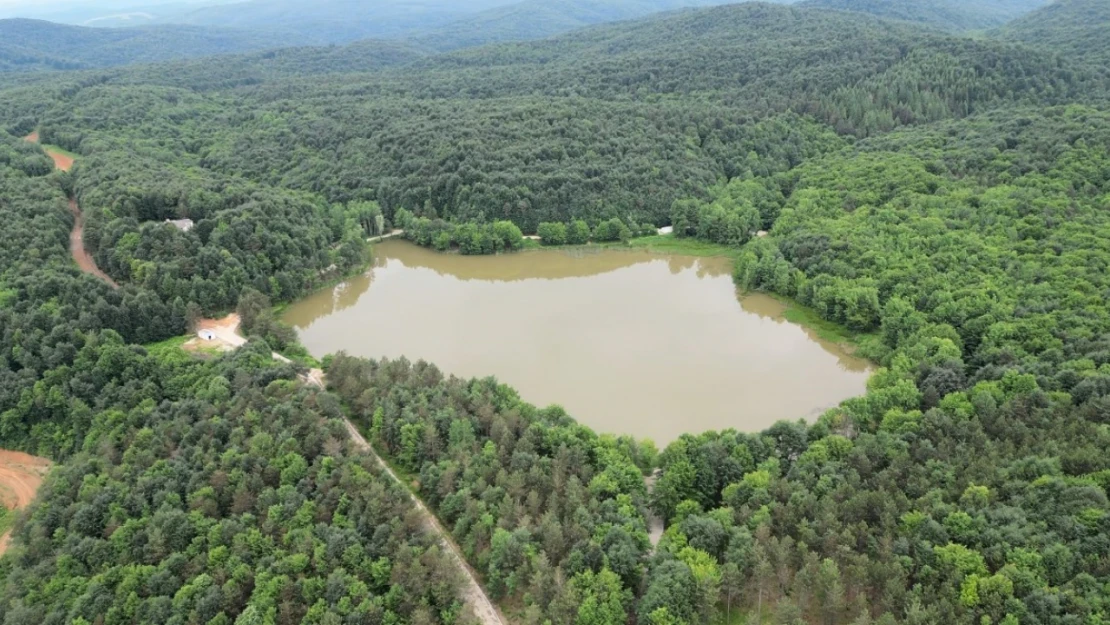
(578, 232)
(732, 585)
(603, 599)
(829, 591)
(707, 579)
(552, 233)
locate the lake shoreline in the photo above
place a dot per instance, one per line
(542, 322)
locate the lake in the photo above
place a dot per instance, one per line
(628, 342)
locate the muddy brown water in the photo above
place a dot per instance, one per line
(628, 342)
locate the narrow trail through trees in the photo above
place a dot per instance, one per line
(77, 249)
(226, 331)
(473, 593)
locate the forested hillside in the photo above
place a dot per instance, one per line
(951, 15)
(613, 122)
(32, 45)
(1075, 28)
(943, 200)
(337, 21)
(537, 19)
(212, 492)
(435, 24)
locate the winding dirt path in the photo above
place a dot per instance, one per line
(20, 477)
(77, 249)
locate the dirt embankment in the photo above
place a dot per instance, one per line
(20, 477)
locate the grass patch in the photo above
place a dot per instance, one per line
(660, 244)
(299, 354)
(57, 150)
(806, 316)
(169, 348)
(859, 344)
(670, 244)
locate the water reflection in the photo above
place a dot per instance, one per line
(628, 342)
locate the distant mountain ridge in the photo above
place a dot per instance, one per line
(539, 19)
(32, 45)
(950, 15)
(338, 21)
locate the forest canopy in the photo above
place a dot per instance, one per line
(942, 199)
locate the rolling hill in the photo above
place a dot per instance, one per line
(538, 19)
(950, 15)
(939, 200)
(1079, 29)
(337, 21)
(31, 45)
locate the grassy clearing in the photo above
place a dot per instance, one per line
(58, 150)
(661, 244)
(169, 348)
(862, 345)
(670, 244)
(806, 316)
(299, 354)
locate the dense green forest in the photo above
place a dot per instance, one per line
(33, 45)
(549, 512)
(614, 122)
(943, 199)
(435, 24)
(537, 19)
(1076, 28)
(217, 493)
(974, 254)
(191, 492)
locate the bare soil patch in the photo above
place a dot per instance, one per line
(228, 323)
(20, 477)
(80, 255)
(61, 161)
(33, 137)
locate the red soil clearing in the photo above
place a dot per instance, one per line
(20, 477)
(61, 161)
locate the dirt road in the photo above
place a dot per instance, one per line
(473, 594)
(81, 256)
(61, 161)
(475, 597)
(20, 477)
(226, 333)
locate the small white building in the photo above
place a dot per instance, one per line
(183, 225)
(207, 335)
